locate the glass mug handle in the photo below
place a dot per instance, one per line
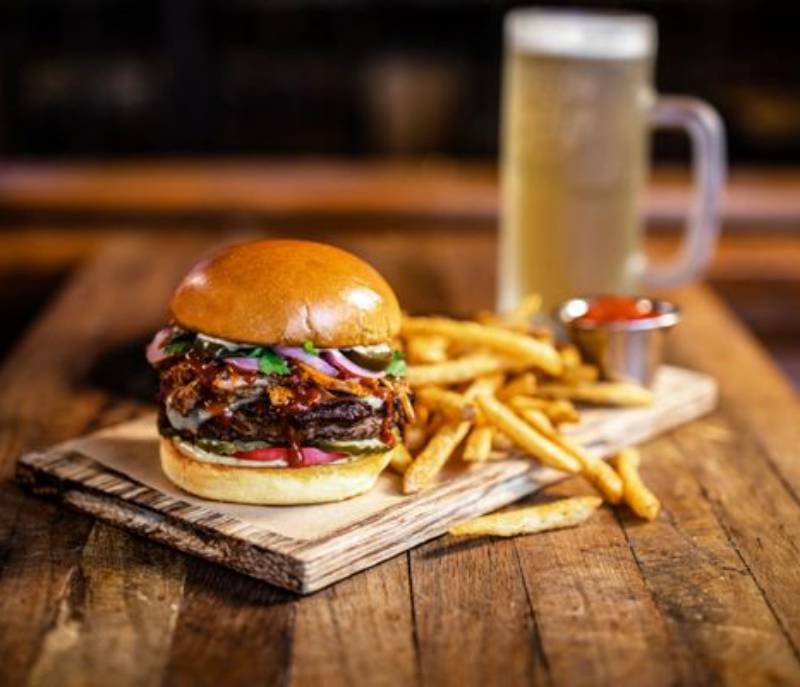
(707, 135)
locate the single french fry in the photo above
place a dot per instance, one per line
(414, 437)
(400, 459)
(538, 420)
(478, 444)
(433, 457)
(602, 476)
(421, 413)
(581, 374)
(562, 411)
(601, 393)
(501, 442)
(452, 404)
(488, 318)
(426, 349)
(640, 499)
(406, 405)
(524, 384)
(570, 356)
(521, 315)
(509, 321)
(558, 411)
(527, 439)
(542, 333)
(459, 370)
(485, 385)
(595, 470)
(531, 519)
(525, 349)
(436, 421)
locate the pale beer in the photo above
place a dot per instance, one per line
(577, 100)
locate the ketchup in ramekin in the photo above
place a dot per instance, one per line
(622, 335)
(607, 309)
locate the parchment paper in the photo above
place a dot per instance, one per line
(132, 449)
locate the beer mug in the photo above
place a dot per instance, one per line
(578, 103)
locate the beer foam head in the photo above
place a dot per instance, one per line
(580, 34)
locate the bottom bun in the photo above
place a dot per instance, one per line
(271, 486)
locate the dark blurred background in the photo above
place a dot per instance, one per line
(359, 78)
(120, 116)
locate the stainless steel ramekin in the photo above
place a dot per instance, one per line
(625, 351)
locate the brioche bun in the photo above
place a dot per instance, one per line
(285, 293)
(271, 486)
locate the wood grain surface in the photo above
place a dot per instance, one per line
(707, 594)
(335, 187)
(114, 475)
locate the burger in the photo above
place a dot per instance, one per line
(278, 380)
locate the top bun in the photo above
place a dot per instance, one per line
(286, 293)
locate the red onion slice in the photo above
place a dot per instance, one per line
(314, 361)
(244, 364)
(344, 363)
(155, 352)
(317, 456)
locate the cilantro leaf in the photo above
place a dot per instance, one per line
(309, 347)
(176, 347)
(270, 363)
(397, 367)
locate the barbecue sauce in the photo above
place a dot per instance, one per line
(305, 393)
(294, 455)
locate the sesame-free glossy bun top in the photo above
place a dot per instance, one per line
(285, 293)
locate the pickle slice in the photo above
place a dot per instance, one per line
(228, 448)
(373, 358)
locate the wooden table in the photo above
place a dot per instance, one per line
(707, 594)
(54, 214)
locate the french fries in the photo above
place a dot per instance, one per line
(478, 445)
(640, 499)
(581, 374)
(520, 317)
(595, 470)
(422, 414)
(524, 437)
(426, 349)
(483, 386)
(452, 404)
(501, 442)
(601, 393)
(433, 457)
(414, 437)
(557, 411)
(408, 407)
(570, 356)
(400, 459)
(523, 385)
(459, 370)
(531, 519)
(500, 387)
(528, 350)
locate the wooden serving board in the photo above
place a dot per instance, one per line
(114, 475)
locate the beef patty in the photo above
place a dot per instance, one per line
(338, 420)
(203, 398)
